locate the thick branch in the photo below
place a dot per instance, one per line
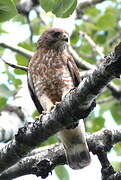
(43, 160)
(76, 105)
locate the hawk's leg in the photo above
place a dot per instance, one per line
(46, 103)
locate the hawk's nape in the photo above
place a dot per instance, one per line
(52, 73)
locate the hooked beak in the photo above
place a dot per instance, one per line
(65, 37)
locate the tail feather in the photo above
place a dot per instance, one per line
(75, 146)
(78, 156)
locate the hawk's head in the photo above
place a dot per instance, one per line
(53, 38)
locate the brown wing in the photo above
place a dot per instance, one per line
(33, 95)
(73, 71)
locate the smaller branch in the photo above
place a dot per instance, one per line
(79, 61)
(26, 53)
(24, 68)
(116, 91)
(100, 101)
(86, 4)
(107, 168)
(113, 40)
(94, 46)
(30, 27)
(89, 3)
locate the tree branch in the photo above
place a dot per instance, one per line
(116, 91)
(86, 4)
(89, 3)
(107, 99)
(94, 46)
(24, 68)
(17, 49)
(42, 161)
(76, 105)
(79, 61)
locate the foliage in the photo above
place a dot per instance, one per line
(61, 8)
(101, 22)
(62, 173)
(7, 10)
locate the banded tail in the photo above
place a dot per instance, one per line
(75, 145)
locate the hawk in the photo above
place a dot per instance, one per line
(52, 73)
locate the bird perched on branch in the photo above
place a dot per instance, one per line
(52, 73)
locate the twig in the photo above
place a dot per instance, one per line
(24, 68)
(94, 46)
(86, 4)
(100, 101)
(79, 61)
(115, 39)
(116, 91)
(20, 50)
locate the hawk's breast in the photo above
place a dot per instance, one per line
(50, 74)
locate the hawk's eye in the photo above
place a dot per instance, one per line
(56, 34)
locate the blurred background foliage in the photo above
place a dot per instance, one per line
(101, 22)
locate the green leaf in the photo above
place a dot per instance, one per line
(51, 140)
(101, 38)
(93, 12)
(5, 92)
(74, 37)
(116, 165)
(70, 10)
(7, 10)
(62, 173)
(117, 149)
(116, 112)
(21, 60)
(19, 72)
(17, 82)
(105, 106)
(14, 81)
(3, 101)
(61, 8)
(95, 123)
(106, 21)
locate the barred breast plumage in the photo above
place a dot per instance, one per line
(52, 72)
